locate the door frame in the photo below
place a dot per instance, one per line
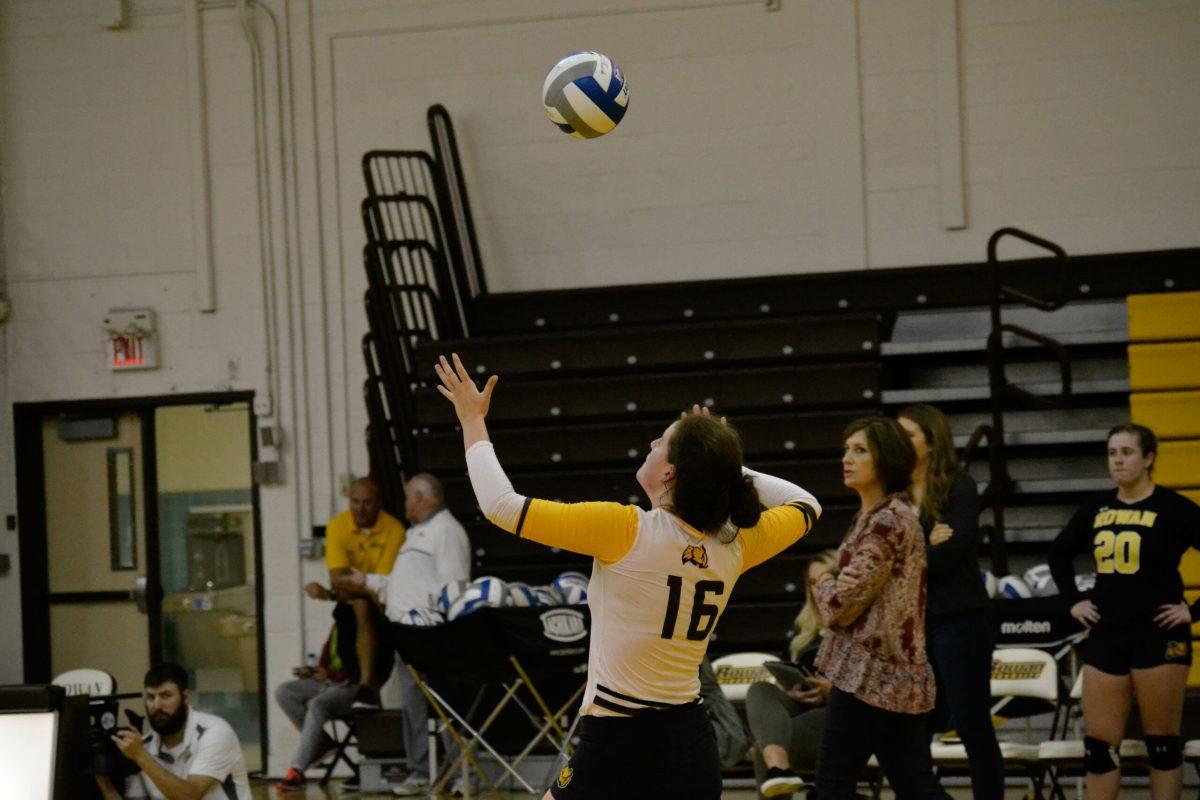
(32, 533)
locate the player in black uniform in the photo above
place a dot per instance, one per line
(1140, 639)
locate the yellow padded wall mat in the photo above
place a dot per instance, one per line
(1164, 366)
(1171, 415)
(1165, 316)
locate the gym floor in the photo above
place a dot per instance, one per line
(313, 792)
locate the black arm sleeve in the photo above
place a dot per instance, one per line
(961, 513)
(1069, 542)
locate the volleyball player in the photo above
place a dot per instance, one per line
(1140, 640)
(660, 580)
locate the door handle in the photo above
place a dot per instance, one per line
(138, 593)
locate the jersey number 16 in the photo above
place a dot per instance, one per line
(702, 612)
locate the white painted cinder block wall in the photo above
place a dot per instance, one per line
(757, 142)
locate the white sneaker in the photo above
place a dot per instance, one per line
(410, 786)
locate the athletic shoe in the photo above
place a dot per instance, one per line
(365, 698)
(292, 782)
(781, 782)
(410, 786)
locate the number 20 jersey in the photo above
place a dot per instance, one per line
(1136, 549)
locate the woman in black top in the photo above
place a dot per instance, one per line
(959, 630)
(1139, 643)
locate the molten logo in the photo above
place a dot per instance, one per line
(695, 554)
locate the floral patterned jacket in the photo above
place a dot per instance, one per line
(876, 646)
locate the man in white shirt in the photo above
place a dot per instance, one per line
(436, 551)
(188, 754)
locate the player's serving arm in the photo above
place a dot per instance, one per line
(660, 581)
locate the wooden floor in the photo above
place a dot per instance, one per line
(262, 791)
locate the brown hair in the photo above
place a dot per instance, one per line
(1145, 439)
(890, 449)
(709, 485)
(943, 466)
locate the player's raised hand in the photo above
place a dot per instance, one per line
(457, 387)
(702, 412)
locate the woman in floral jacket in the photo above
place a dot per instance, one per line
(874, 654)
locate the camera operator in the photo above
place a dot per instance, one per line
(189, 755)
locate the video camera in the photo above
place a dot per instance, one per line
(101, 756)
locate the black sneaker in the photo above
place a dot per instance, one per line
(365, 698)
(780, 782)
(349, 785)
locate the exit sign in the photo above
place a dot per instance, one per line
(132, 338)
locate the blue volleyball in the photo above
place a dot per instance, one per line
(585, 94)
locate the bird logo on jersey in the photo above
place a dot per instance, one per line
(1176, 650)
(565, 776)
(695, 554)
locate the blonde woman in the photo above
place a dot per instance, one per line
(786, 721)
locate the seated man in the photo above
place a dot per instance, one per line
(364, 538)
(321, 693)
(435, 552)
(188, 753)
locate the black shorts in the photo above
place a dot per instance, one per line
(1116, 649)
(656, 755)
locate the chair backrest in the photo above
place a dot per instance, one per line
(86, 681)
(1077, 688)
(737, 671)
(1024, 672)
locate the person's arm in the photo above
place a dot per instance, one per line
(107, 789)
(170, 785)
(1192, 526)
(1070, 541)
(842, 603)
(792, 512)
(961, 513)
(602, 530)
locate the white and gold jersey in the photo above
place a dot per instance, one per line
(658, 586)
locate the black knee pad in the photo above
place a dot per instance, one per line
(1166, 752)
(1099, 756)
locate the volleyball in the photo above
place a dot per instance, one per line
(520, 595)
(1012, 587)
(1040, 581)
(421, 618)
(571, 587)
(585, 94)
(989, 582)
(446, 596)
(545, 596)
(487, 591)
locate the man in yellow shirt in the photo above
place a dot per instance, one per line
(365, 538)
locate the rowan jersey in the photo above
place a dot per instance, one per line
(658, 586)
(1137, 548)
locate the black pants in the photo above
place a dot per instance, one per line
(855, 730)
(656, 755)
(960, 650)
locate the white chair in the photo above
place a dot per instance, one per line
(736, 672)
(86, 681)
(1021, 675)
(1065, 756)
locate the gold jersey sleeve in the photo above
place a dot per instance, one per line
(777, 529)
(606, 531)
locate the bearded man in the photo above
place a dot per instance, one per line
(188, 754)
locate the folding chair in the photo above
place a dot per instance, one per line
(500, 643)
(341, 742)
(1024, 683)
(1062, 756)
(737, 672)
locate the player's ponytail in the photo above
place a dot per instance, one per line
(709, 488)
(745, 508)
